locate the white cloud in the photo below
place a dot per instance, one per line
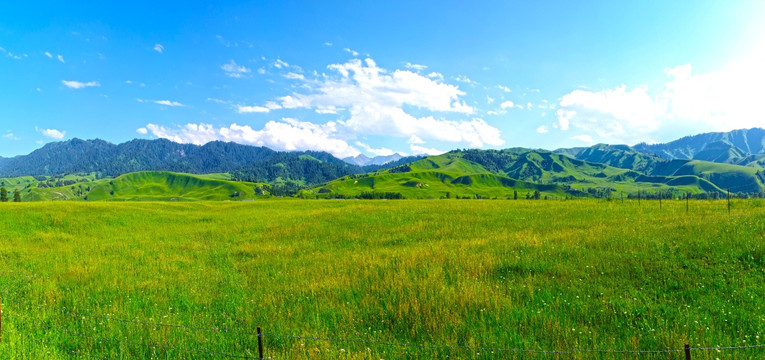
(542, 129)
(48, 54)
(352, 52)
(327, 43)
(376, 152)
(9, 135)
(52, 133)
(79, 85)
(436, 75)
(262, 71)
(294, 76)
(375, 99)
(245, 109)
(142, 131)
(507, 104)
(169, 103)
(279, 64)
(495, 112)
(688, 102)
(415, 67)
(235, 71)
(503, 88)
(60, 58)
(463, 78)
(287, 134)
(159, 48)
(421, 150)
(489, 99)
(584, 138)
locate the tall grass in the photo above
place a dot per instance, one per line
(536, 275)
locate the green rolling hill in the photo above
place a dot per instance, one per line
(152, 186)
(501, 173)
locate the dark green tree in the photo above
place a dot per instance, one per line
(3, 195)
(16, 196)
(515, 194)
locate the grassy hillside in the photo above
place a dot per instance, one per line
(151, 185)
(546, 275)
(447, 175)
(502, 173)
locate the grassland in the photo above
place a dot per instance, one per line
(536, 275)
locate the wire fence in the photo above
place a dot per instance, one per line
(19, 308)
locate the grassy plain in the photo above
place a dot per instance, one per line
(535, 275)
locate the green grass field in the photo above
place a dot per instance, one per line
(535, 275)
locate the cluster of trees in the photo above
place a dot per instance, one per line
(4, 195)
(374, 195)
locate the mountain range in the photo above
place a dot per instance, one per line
(699, 165)
(251, 163)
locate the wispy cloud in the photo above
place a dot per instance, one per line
(159, 48)
(169, 103)
(416, 67)
(351, 51)
(60, 58)
(79, 85)
(235, 71)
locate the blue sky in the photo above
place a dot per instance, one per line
(382, 77)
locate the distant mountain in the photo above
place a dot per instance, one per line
(363, 160)
(250, 163)
(710, 145)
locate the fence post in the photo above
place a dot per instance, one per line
(686, 202)
(728, 201)
(1, 320)
(687, 352)
(260, 344)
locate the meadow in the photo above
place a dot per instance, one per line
(103, 279)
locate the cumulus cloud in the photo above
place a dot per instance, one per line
(235, 71)
(507, 104)
(142, 131)
(286, 134)
(79, 85)
(503, 88)
(542, 129)
(52, 133)
(159, 48)
(352, 52)
(372, 101)
(48, 54)
(687, 102)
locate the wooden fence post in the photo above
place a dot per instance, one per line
(260, 345)
(687, 352)
(728, 201)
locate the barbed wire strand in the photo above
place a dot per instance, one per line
(138, 322)
(126, 342)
